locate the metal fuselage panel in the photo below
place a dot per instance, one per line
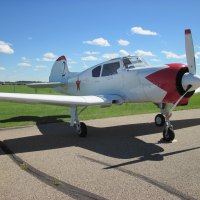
(131, 85)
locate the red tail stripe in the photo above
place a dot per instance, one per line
(61, 58)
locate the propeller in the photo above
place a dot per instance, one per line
(190, 78)
(189, 48)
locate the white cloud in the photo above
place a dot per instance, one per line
(39, 67)
(91, 52)
(85, 66)
(98, 41)
(24, 59)
(71, 62)
(24, 64)
(89, 58)
(170, 54)
(155, 60)
(123, 52)
(110, 56)
(6, 48)
(144, 53)
(2, 68)
(197, 46)
(141, 31)
(197, 54)
(123, 42)
(29, 38)
(49, 57)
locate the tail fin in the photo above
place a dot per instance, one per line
(59, 71)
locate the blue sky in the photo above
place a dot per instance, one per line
(34, 33)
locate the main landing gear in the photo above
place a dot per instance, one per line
(81, 128)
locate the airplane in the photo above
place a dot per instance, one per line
(127, 79)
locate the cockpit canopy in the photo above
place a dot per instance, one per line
(111, 67)
(131, 62)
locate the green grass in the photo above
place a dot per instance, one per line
(16, 114)
(26, 89)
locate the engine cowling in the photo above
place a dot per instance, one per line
(170, 80)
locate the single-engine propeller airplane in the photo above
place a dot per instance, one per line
(117, 81)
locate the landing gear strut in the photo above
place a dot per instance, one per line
(81, 127)
(168, 132)
(161, 119)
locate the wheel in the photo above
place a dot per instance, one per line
(159, 120)
(168, 135)
(83, 130)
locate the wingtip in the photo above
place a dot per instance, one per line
(61, 58)
(187, 31)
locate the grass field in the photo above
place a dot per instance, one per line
(15, 114)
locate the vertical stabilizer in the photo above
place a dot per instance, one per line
(59, 71)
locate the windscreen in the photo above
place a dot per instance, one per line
(134, 62)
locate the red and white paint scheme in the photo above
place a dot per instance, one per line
(121, 80)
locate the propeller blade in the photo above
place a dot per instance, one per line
(189, 48)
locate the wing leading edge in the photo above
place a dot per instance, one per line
(103, 100)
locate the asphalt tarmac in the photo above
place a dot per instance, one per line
(122, 158)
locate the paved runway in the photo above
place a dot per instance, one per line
(121, 158)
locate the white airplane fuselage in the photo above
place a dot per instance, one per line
(139, 83)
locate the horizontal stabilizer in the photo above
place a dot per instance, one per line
(46, 85)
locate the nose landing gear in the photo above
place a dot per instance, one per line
(168, 132)
(159, 120)
(163, 118)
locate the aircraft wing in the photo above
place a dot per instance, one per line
(103, 100)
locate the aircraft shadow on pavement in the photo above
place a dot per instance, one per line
(117, 141)
(36, 119)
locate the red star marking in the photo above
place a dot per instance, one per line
(166, 80)
(78, 85)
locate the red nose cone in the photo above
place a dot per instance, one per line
(61, 58)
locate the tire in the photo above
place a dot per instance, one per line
(168, 135)
(159, 120)
(83, 130)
